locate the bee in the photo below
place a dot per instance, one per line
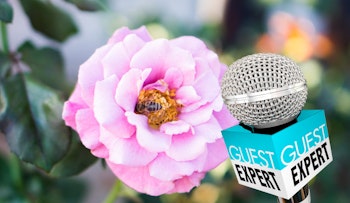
(146, 107)
(159, 107)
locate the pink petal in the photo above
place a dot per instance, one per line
(100, 151)
(89, 131)
(139, 179)
(175, 127)
(225, 118)
(126, 151)
(198, 116)
(90, 72)
(117, 60)
(186, 147)
(190, 43)
(174, 78)
(214, 62)
(69, 111)
(204, 66)
(160, 56)
(133, 43)
(129, 87)
(199, 50)
(217, 153)
(186, 183)
(218, 103)
(149, 138)
(107, 111)
(71, 107)
(187, 95)
(160, 85)
(167, 169)
(120, 34)
(207, 86)
(210, 130)
(193, 106)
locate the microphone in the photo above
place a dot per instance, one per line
(264, 90)
(266, 93)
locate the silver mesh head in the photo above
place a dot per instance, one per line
(264, 90)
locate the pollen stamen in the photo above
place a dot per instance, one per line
(159, 107)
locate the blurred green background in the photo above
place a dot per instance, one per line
(314, 33)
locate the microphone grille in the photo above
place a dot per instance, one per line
(264, 74)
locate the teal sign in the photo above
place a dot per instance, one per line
(281, 163)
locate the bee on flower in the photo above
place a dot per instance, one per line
(152, 109)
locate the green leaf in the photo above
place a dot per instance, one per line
(88, 5)
(32, 123)
(46, 65)
(4, 67)
(3, 103)
(22, 183)
(50, 20)
(5, 64)
(77, 160)
(6, 11)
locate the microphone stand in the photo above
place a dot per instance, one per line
(302, 196)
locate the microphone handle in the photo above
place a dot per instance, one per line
(302, 196)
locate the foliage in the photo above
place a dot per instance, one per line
(32, 90)
(46, 153)
(23, 183)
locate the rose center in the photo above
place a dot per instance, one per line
(159, 107)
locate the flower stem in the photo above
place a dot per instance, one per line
(4, 38)
(114, 192)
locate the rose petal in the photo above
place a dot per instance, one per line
(217, 153)
(198, 116)
(186, 183)
(193, 106)
(202, 66)
(151, 139)
(187, 95)
(107, 111)
(174, 78)
(89, 132)
(90, 72)
(126, 151)
(207, 86)
(214, 62)
(186, 147)
(167, 169)
(120, 34)
(117, 60)
(225, 118)
(190, 43)
(139, 179)
(71, 107)
(158, 85)
(210, 130)
(129, 87)
(175, 127)
(200, 50)
(100, 151)
(160, 56)
(218, 103)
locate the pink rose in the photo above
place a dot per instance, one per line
(152, 109)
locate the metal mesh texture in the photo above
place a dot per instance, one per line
(260, 72)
